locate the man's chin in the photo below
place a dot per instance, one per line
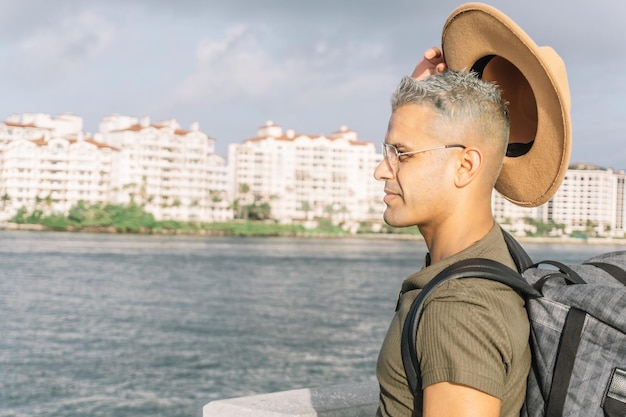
(395, 222)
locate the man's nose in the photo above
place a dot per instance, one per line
(384, 171)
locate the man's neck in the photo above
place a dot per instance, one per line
(446, 240)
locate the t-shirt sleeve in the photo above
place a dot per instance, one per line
(462, 337)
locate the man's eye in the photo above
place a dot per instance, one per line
(403, 157)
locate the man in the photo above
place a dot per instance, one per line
(443, 153)
(451, 139)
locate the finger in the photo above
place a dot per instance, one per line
(431, 63)
(433, 54)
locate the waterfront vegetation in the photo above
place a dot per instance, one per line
(133, 218)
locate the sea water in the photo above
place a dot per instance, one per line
(136, 325)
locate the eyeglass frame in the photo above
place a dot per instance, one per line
(395, 163)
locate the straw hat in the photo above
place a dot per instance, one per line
(534, 82)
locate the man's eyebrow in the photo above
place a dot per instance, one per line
(398, 145)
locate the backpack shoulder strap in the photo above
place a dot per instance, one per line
(519, 255)
(468, 268)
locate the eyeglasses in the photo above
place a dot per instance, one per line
(392, 155)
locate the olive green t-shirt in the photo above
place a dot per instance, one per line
(473, 332)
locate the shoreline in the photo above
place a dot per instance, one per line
(524, 239)
(574, 240)
(378, 236)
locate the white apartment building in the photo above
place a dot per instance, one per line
(37, 123)
(304, 177)
(46, 163)
(589, 198)
(219, 203)
(174, 173)
(512, 217)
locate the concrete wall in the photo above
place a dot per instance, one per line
(357, 400)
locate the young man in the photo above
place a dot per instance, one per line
(454, 136)
(443, 153)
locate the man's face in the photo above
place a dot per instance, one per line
(417, 185)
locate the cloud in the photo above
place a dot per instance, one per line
(234, 67)
(342, 72)
(241, 66)
(56, 53)
(302, 63)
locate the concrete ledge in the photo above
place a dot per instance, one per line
(355, 400)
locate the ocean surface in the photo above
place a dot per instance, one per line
(126, 325)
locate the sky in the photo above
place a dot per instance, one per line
(308, 65)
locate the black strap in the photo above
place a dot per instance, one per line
(614, 408)
(568, 346)
(570, 276)
(468, 268)
(615, 271)
(614, 403)
(519, 255)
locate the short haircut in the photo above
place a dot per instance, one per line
(466, 104)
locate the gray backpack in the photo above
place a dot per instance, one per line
(577, 331)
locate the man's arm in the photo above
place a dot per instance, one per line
(445, 399)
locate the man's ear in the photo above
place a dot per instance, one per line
(471, 162)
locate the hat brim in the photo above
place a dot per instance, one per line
(476, 32)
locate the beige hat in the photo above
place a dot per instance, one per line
(533, 80)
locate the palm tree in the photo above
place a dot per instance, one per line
(330, 210)
(215, 196)
(244, 189)
(131, 188)
(48, 202)
(236, 208)
(305, 206)
(143, 191)
(343, 210)
(6, 199)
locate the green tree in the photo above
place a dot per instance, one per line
(590, 228)
(6, 199)
(48, 201)
(55, 222)
(143, 190)
(94, 215)
(330, 211)
(244, 189)
(35, 216)
(77, 213)
(215, 196)
(305, 206)
(236, 208)
(131, 189)
(543, 229)
(131, 218)
(20, 216)
(259, 211)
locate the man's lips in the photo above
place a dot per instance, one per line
(390, 196)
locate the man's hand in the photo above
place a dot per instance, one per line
(432, 63)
